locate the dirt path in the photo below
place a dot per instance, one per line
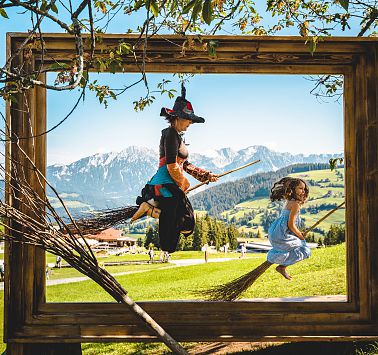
(172, 263)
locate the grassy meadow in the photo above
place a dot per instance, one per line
(323, 274)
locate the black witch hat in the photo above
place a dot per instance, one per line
(182, 109)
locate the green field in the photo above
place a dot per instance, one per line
(323, 274)
(133, 259)
(69, 272)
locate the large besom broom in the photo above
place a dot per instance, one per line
(232, 290)
(28, 219)
(105, 219)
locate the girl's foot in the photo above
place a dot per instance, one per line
(145, 208)
(282, 270)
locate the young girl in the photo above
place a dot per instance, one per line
(289, 245)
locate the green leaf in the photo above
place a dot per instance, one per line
(3, 13)
(154, 7)
(124, 48)
(344, 4)
(43, 6)
(138, 4)
(112, 67)
(103, 66)
(53, 7)
(207, 11)
(333, 162)
(196, 9)
(13, 99)
(188, 6)
(212, 48)
(312, 42)
(312, 46)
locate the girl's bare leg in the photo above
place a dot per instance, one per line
(146, 208)
(282, 270)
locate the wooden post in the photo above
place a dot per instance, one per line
(25, 282)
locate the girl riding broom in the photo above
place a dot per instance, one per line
(288, 242)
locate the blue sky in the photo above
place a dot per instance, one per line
(240, 110)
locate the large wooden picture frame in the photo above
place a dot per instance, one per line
(30, 319)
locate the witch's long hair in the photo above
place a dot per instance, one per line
(285, 189)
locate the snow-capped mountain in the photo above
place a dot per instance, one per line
(227, 159)
(115, 179)
(105, 180)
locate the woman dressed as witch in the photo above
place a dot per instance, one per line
(164, 196)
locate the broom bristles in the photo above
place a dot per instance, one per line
(233, 289)
(102, 220)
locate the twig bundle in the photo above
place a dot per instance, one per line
(232, 290)
(104, 219)
(28, 219)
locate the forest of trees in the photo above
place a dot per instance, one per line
(207, 230)
(217, 233)
(335, 235)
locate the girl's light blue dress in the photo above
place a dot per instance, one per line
(287, 248)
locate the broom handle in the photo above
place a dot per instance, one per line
(323, 218)
(223, 174)
(151, 323)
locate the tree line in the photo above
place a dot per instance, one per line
(334, 236)
(217, 233)
(222, 197)
(207, 230)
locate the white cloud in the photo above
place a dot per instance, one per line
(272, 145)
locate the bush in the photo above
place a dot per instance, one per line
(335, 235)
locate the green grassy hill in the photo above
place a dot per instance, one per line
(326, 189)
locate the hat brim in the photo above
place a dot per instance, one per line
(166, 112)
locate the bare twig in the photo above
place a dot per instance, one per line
(25, 222)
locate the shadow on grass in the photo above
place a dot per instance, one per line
(323, 348)
(307, 348)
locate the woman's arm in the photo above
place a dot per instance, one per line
(291, 223)
(201, 175)
(178, 177)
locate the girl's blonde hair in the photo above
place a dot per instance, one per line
(285, 189)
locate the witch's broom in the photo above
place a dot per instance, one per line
(234, 289)
(105, 219)
(28, 220)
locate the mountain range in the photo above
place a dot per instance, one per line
(115, 179)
